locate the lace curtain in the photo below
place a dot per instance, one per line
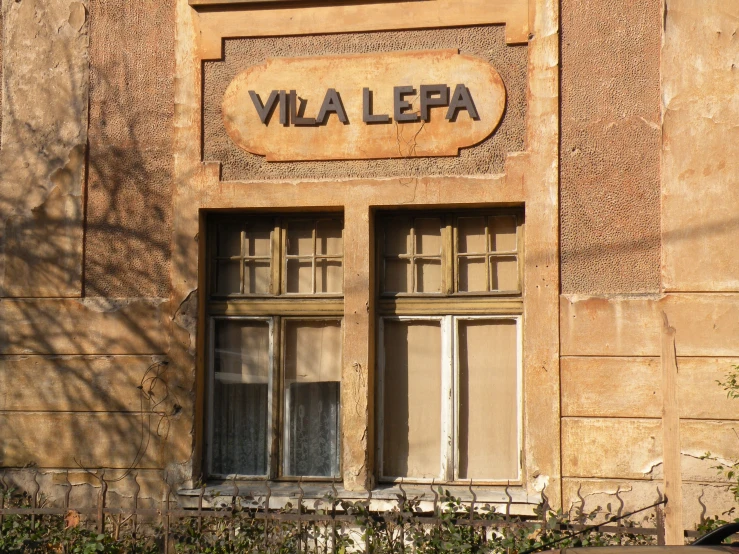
(240, 429)
(313, 432)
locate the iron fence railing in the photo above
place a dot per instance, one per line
(322, 528)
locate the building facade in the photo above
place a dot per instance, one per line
(448, 241)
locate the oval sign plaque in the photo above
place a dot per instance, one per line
(392, 105)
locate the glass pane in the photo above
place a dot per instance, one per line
(471, 235)
(504, 273)
(503, 233)
(428, 236)
(240, 393)
(329, 276)
(397, 276)
(472, 275)
(312, 351)
(228, 240)
(397, 236)
(488, 400)
(328, 237)
(312, 394)
(428, 275)
(300, 238)
(228, 278)
(412, 399)
(300, 276)
(258, 239)
(257, 276)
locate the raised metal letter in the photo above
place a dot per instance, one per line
(428, 101)
(297, 109)
(264, 110)
(284, 115)
(400, 106)
(367, 105)
(461, 100)
(332, 104)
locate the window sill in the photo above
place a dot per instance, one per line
(515, 501)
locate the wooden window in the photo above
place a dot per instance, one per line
(275, 344)
(449, 355)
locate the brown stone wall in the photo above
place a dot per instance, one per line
(487, 42)
(132, 60)
(610, 146)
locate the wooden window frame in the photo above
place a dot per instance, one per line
(449, 372)
(450, 306)
(275, 308)
(449, 300)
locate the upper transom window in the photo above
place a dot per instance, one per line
(268, 256)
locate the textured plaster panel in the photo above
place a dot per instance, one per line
(610, 145)
(131, 148)
(700, 162)
(125, 326)
(487, 42)
(624, 448)
(632, 387)
(700, 500)
(44, 133)
(611, 387)
(707, 325)
(53, 440)
(84, 384)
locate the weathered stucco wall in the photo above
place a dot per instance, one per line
(71, 368)
(44, 135)
(609, 156)
(129, 197)
(486, 42)
(611, 370)
(700, 192)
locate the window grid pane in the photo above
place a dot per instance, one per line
(418, 241)
(246, 249)
(482, 258)
(500, 262)
(310, 246)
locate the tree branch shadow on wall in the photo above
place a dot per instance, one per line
(84, 382)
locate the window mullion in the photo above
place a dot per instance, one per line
(242, 263)
(488, 248)
(412, 251)
(283, 257)
(276, 257)
(282, 431)
(313, 258)
(273, 397)
(455, 396)
(447, 400)
(380, 395)
(447, 257)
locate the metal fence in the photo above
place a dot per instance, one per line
(327, 527)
